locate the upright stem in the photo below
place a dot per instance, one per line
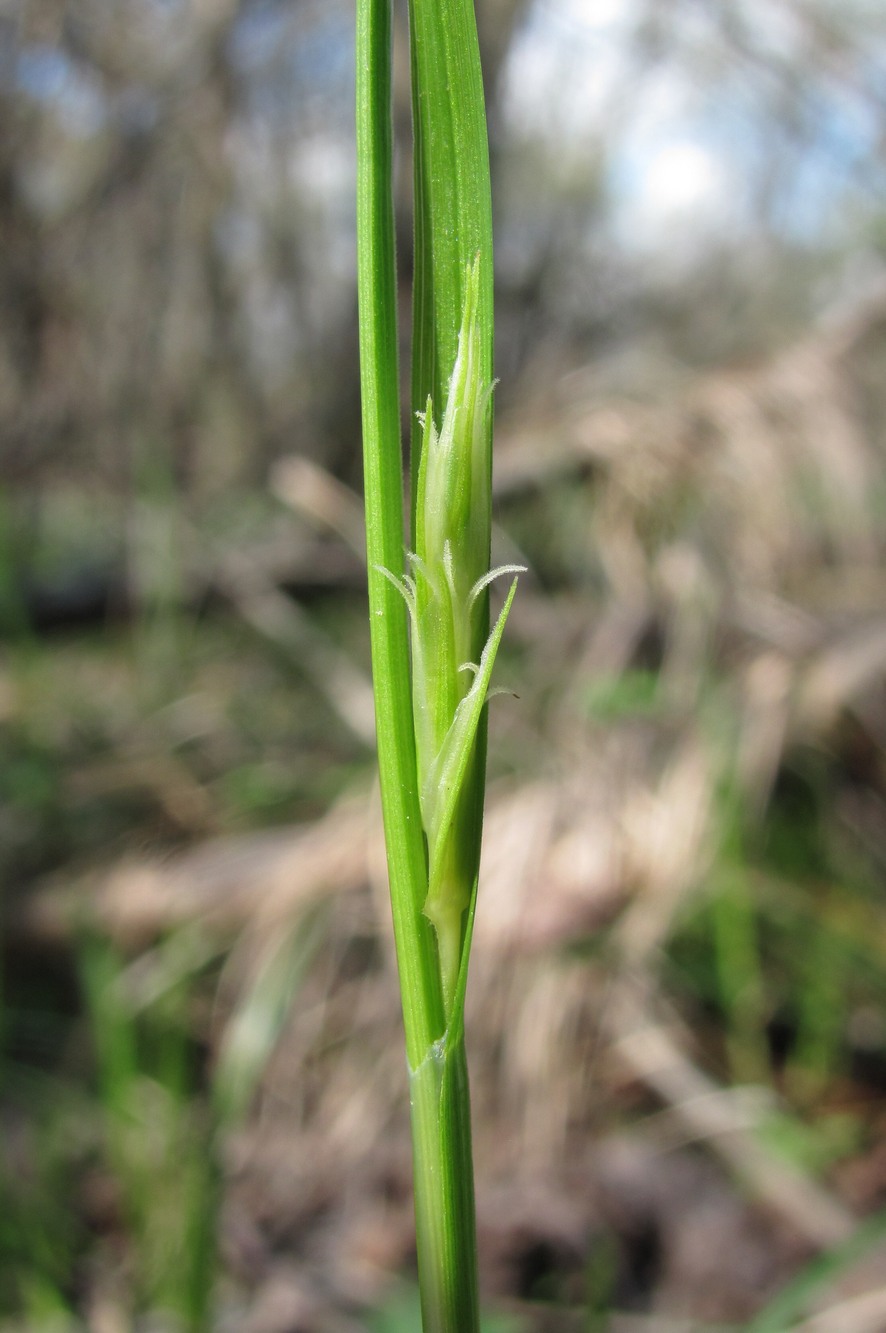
(453, 226)
(444, 1190)
(452, 230)
(383, 482)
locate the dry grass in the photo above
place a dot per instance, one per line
(727, 557)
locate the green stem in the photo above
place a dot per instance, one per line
(453, 226)
(383, 479)
(452, 229)
(444, 1189)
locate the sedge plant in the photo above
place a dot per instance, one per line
(432, 651)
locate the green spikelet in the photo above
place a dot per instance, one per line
(451, 667)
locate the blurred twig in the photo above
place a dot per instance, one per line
(311, 490)
(224, 884)
(857, 1314)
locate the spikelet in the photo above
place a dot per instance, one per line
(451, 667)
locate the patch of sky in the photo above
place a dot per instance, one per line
(776, 31)
(804, 167)
(839, 163)
(673, 192)
(49, 77)
(566, 64)
(287, 58)
(700, 140)
(850, 133)
(324, 166)
(578, 19)
(256, 36)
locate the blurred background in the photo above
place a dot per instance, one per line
(676, 1023)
